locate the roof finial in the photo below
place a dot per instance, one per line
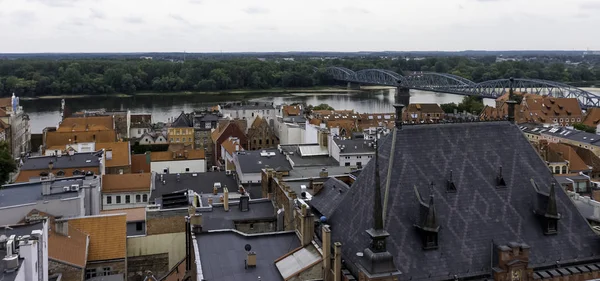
(377, 208)
(551, 208)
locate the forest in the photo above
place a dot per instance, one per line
(44, 77)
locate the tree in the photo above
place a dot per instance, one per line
(7, 163)
(585, 128)
(471, 104)
(323, 106)
(449, 107)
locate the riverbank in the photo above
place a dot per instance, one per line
(327, 90)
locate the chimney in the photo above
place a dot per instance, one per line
(337, 264)
(210, 201)
(399, 108)
(250, 259)
(62, 228)
(511, 110)
(326, 252)
(244, 203)
(324, 173)
(46, 187)
(50, 165)
(226, 199)
(11, 260)
(109, 154)
(307, 225)
(196, 223)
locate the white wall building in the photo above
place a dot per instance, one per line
(125, 191)
(291, 130)
(26, 251)
(249, 112)
(352, 152)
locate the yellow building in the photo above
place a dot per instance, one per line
(182, 131)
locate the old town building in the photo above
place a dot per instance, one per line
(204, 122)
(423, 113)
(224, 131)
(261, 135)
(15, 123)
(181, 130)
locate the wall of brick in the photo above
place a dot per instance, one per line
(161, 222)
(117, 267)
(172, 244)
(158, 264)
(69, 272)
(252, 227)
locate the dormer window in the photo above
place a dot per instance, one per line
(551, 227)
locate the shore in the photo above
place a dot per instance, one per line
(230, 92)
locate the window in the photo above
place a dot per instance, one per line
(127, 199)
(106, 271)
(171, 139)
(252, 114)
(187, 169)
(358, 157)
(177, 139)
(90, 273)
(75, 138)
(557, 170)
(564, 169)
(555, 120)
(108, 200)
(572, 119)
(347, 164)
(165, 171)
(146, 139)
(551, 226)
(561, 119)
(145, 197)
(578, 119)
(359, 164)
(580, 186)
(118, 199)
(138, 198)
(139, 226)
(259, 141)
(267, 141)
(139, 131)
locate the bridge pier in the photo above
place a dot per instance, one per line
(353, 86)
(402, 96)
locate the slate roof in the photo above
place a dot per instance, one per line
(31, 192)
(355, 146)
(251, 161)
(215, 218)
(471, 219)
(222, 255)
(78, 160)
(330, 196)
(182, 121)
(18, 230)
(201, 183)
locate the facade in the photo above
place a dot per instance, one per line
(139, 124)
(24, 252)
(423, 113)
(74, 130)
(16, 123)
(249, 112)
(181, 131)
(228, 149)
(117, 157)
(290, 130)
(261, 135)
(125, 191)
(204, 123)
(538, 109)
(153, 137)
(226, 130)
(352, 152)
(181, 161)
(68, 197)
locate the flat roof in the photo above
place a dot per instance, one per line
(313, 172)
(31, 192)
(77, 160)
(222, 254)
(293, 152)
(216, 218)
(253, 161)
(355, 146)
(198, 182)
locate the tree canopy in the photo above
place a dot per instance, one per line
(7, 163)
(322, 106)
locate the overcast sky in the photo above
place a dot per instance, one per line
(306, 25)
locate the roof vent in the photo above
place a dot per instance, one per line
(500, 179)
(450, 187)
(250, 257)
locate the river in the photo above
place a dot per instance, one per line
(45, 112)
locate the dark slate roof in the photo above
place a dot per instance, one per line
(77, 160)
(471, 219)
(215, 218)
(207, 117)
(253, 162)
(328, 199)
(222, 255)
(200, 183)
(31, 192)
(182, 121)
(355, 146)
(17, 230)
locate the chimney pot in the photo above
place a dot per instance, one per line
(226, 199)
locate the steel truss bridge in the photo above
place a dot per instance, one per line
(448, 83)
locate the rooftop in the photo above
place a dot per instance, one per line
(472, 156)
(308, 155)
(17, 230)
(132, 214)
(329, 197)
(82, 122)
(215, 217)
(313, 172)
(198, 182)
(252, 106)
(117, 183)
(77, 160)
(593, 117)
(424, 107)
(354, 146)
(253, 161)
(229, 247)
(31, 192)
(182, 121)
(192, 154)
(139, 163)
(120, 155)
(107, 233)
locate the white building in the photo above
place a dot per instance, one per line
(153, 138)
(125, 191)
(24, 252)
(228, 149)
(249, 112)
(352, 152)
(173, 162)
(291, 130)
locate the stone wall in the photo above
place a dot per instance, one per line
(69, 272)
(158, 264)
(252, 227)
(165, 221)
(117, 266)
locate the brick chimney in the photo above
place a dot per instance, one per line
(326, 251)
(323, 173)
(226, 199)
(399, 108)
(511, 110)
(337, 264)
(307, 225)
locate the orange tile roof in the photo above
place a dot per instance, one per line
(257, 122)
(63, 138)
(139, 163)
(229, 145)
(5, 102)
(194, 154)
(569, 154)
(592, 118)
(133, 214)
(116, 183)
(424, 107)
(291, 110)
(88, 121)
(120, 153)
(3, 113)
(108, 235)
(78, 129)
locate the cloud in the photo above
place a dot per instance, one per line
(256, 10)
(57, 3)
(23, 17)
(179, 19)
(356, 10)
(590, 5)
(197, 2)
(96, 14)
(134, 20)
(78, 22)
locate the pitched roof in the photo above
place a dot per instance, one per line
(216, 134)
(71, 249)
(133, 214)
(77, 160)
(139, 163)
(120, 153)
(193, 154)
(58, 138)
(588, 157)
(107, 233)
(88, 121)
(116, 183)
(329, 197)
(291, 110)
(568, 153)
(182, 121)
(230, 144)
(478, 212)
(592, 118)
(5, 102)
(258, 121)
(424, 107)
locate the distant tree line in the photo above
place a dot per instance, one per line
(39, 77)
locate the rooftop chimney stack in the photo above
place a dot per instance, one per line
(226, 199)
(337, 265)
(326, 252)
(244, 203)
(50, 165)
(62, 228)
(324, 173)
(250, 256)
(399, 108)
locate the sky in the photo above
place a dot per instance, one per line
(32, 26)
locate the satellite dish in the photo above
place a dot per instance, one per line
(248, 247)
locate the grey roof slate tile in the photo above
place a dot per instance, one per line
(77, 160)
(472, 219)
(328, 199)
(252, 162)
